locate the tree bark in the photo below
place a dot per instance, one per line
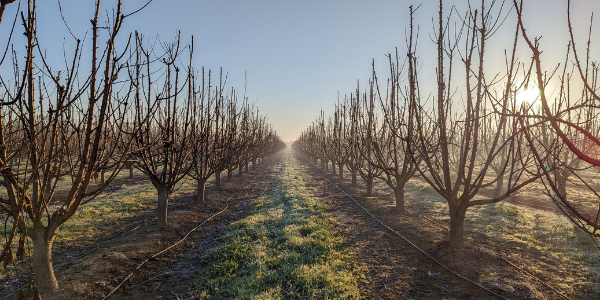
(130, 170)
(369, 185)
(332, 167)
(561, 183)
(341, 170)
(102, 177)
(42, 260)
(163, 206)
(246, 166)
(254, 164)
(229, 173)
(457, 227)
(326, 165)
(201, 188)
(322, 163)
(399, 193)
(499, 186)
(218, 178)
(240, 168)
(354, 173)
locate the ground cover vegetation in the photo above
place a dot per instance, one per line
(465, 147)
(65, 127)
(286, 248)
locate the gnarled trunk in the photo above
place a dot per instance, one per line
(332, 167)
(201, 191)
(229, 173)
(45, 281)
(354, 173)
(369, 185)
(457, 226)
(163, 206)
(341, 170)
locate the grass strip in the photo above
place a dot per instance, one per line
(284, 249)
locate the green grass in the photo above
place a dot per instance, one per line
(108, 209)
(550, 235)
(285, 248)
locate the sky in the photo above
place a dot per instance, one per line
(298, 55)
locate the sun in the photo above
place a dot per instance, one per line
(528, 94)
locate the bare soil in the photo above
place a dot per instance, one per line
(387, 266)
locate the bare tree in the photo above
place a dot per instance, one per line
(55, 131)
(367, 133)
(162, 148)
(3, 4)
(350, 137)
(455, 160)
(573, 123)
(393, 142)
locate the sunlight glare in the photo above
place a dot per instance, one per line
(528, 95)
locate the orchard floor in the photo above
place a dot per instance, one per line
(383, 265)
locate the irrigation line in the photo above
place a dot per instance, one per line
(62, 265)
(501, 256)
(163, 251)
(415, 246)
(265, 190)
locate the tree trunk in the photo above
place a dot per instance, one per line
(102, 177)
(354, 171)
(229, 173)
(130, 170)
(218, 178)
(322, 163)
(246, 166)
(457, 227)
(42, 261)
(561, 182)
(240, 168)
(499, 186)
(326, 165)
(254, 164)
(399, 193)
(332, 167)
(369, 185)
(341, 170)
(200, 198)
(163, 206)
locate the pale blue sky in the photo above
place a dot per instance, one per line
(298, 54)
